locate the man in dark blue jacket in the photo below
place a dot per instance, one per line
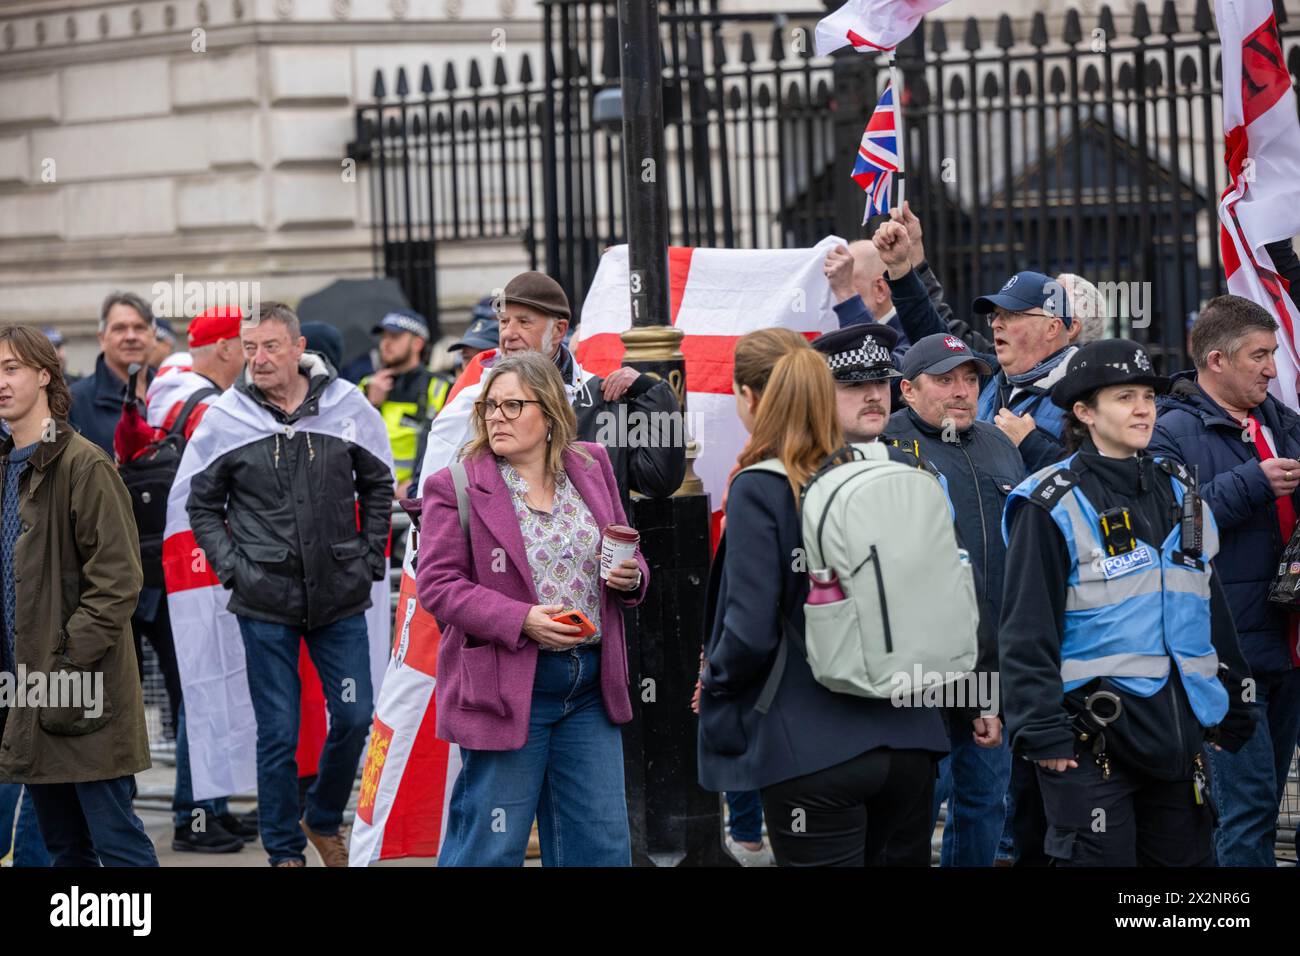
(941, 378)
(1031, 340)
(126, 336)
(1222, 423)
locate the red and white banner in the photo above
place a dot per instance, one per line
(872, 26)
(408, 773)
(219, 719)
(1262, 203)
(715, 297)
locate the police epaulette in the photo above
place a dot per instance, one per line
(1177, 470)
(1049, 490)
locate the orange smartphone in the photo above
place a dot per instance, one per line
(577, 619)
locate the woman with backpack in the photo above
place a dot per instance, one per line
(1116, 641)
(839, 774)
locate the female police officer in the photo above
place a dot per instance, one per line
(1116, 642)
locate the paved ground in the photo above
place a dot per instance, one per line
(154, 809)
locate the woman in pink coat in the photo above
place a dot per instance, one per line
(533, 704)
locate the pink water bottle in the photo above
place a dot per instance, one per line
(824, 587)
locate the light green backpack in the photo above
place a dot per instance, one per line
(909, 615)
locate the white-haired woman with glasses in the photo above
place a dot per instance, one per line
(534, 704)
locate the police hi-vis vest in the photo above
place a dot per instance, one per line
(1128, 616)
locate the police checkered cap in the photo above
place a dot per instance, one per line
(870, 353)
(403, 322)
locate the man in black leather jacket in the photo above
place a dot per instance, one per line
(295, 523)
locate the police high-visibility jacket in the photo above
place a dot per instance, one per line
(1131, 617)
(416, 397)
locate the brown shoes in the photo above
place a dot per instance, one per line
(332, 848)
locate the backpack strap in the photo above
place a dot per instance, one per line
(191, 403)
(460, 481)
(771, 465)
(768, 693)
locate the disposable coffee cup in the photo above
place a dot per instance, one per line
(617, 544)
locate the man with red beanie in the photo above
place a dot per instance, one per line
(216, 359)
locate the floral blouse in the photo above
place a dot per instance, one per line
(563, 547)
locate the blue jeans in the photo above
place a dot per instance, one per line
(974, 781)
(341, 653)
(1247, 786)
(746, 823)
(183, 802)
(89, 824)
(568, 774)
(23, 834)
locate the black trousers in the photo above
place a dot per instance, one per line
(1129, 819)
(846, 814)
(159, 633)
(1028, 821)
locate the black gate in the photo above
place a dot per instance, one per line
(1092, 151)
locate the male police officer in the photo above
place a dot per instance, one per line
(406, 393)
(861, 363)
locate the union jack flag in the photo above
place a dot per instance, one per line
(877, 158)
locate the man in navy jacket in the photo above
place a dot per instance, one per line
(1222, 423)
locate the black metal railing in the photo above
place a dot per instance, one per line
(1090, 152)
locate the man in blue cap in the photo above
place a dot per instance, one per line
(406, 393)
(1031, 321)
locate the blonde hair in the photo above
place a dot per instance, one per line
(538, 376)
(758, 352)
(796, 419)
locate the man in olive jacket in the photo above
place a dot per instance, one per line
(71, 715)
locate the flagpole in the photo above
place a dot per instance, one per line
(896, 86)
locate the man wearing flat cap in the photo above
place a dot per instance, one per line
(533, 316)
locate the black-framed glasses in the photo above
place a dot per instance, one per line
(510, 409)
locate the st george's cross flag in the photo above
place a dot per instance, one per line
(877, 159)
(871, 26)
(715, 297)
(1262, 203)
(219, 719)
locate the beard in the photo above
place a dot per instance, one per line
(401, 360)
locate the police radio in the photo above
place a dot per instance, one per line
(1191, 519)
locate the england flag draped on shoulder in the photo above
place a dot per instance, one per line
(872, 26)
(1262, 202)
(219, 717)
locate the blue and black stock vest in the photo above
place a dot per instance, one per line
(1128, 616)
